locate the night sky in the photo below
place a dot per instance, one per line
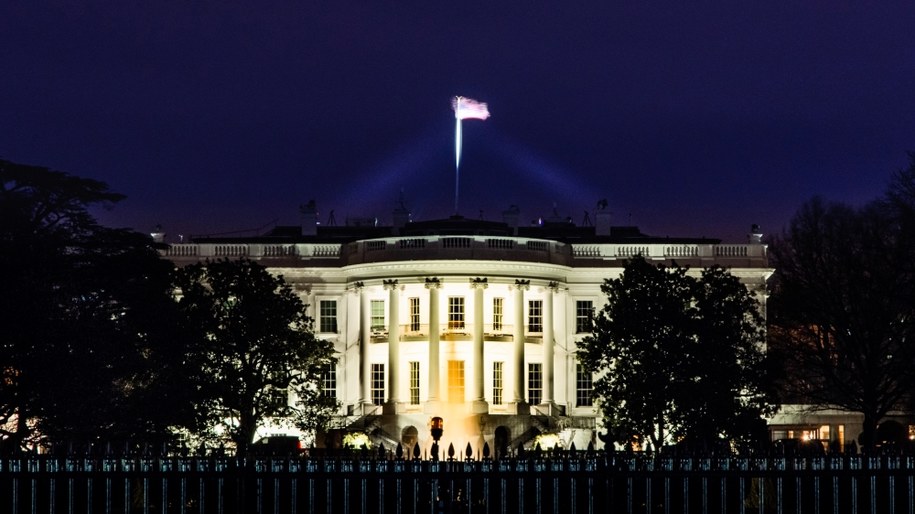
(690, 118)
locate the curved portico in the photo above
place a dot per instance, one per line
(459, 334)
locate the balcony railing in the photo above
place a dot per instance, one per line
(413, 331)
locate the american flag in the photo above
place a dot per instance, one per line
(465, 108)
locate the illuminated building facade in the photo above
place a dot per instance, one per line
(477, 322)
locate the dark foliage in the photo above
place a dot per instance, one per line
(843, 309)
(679, 357)
(88, 346)
(254, 345)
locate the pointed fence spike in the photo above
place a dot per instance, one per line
(416, 451)
(485, 450)
(399, 451)
(451, 451)
(468, 452)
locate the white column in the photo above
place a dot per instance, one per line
(365, 338)
(479, 402)
(434, 402)
(548, 342)
(520, 287)
(393, 342)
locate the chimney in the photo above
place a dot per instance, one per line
(510, 217)
(602, 219)
(309, 218)
(755, 236)
(401, 215)
(157, 235)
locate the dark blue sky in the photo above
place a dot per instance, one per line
(690, 118)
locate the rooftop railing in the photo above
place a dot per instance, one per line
(670, 251)
(469, 248)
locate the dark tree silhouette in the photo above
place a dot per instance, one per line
(254, 346)
(677, 356)
(89, 339)
(843, 308)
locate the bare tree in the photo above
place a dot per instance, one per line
(843, 308)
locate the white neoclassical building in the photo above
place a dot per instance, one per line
(477, 322)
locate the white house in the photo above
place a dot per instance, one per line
(473, 321)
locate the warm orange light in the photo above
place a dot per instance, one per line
(437, 428)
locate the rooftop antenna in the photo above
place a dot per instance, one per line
(586, 222)
(331, 220)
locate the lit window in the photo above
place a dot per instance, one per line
(414, 383)
(584, 387)
(497, 310)
(278, 395)
(414, 314)
(378, 315)
(456, 381)
(584, 309)
(497, 382)
(378, 384)
(329, 381)
(534, 383)
(327, 316)
(535, 316)
(279, 398)
(455, 312)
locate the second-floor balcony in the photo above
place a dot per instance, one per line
(452, 331)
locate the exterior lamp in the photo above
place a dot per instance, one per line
(436, 428)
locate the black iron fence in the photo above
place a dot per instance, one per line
(567, 482)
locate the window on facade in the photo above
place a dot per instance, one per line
(378, 315)
(279, 397)
(497, 306)
(327, 316)
(584, 388)
(378, 384)
(535, 316)
(497, 368)
(414, 383)
(534, 383)
(455, 312)
(414, 314)
(329, 382)
(456, 381)
(583, 312)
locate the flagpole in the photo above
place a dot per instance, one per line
(463, 108)
(457, 160)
